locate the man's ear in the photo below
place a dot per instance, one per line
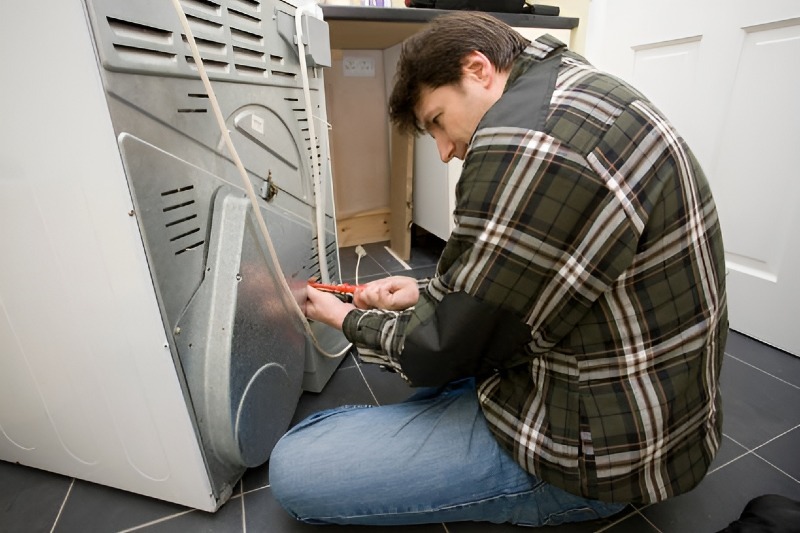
(478, 67)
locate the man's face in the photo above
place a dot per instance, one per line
(450, 115)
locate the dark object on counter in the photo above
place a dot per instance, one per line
(496, 6)
(770, 513)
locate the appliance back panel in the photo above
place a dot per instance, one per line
(240, 347)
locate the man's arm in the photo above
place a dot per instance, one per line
(539, 237)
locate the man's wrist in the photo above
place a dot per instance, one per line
(341, 312)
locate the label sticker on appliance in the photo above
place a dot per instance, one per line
(257, 123)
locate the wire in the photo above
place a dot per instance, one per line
(249, 186)
(361, 252)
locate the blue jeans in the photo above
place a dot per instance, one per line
(429, 459)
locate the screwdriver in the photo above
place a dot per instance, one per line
(342, 288)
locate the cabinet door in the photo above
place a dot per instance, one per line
(726, 73)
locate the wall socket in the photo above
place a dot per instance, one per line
(358, 67)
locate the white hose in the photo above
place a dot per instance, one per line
(251, 194)
(316, 170)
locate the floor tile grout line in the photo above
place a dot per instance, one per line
(640, 513)
(369, 387)
(764, 371)
(747, 451)
(765, 443)
(63, 504)
(244, 517)
(251, 491)
(241, 495)
(617, 521)
(157, 521)
(778, 469)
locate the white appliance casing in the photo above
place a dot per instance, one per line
(94, 382)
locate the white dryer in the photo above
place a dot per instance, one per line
(150, 337)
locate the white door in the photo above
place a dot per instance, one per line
(727, 74)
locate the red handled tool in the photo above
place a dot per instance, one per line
(342, 288)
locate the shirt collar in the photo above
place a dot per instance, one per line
(542, 48)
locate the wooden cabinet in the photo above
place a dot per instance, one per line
(380, 186)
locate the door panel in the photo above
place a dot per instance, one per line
(726, 74)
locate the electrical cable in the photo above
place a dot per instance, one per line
(198, 60)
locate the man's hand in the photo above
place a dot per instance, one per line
(394, 293)
(326, 308)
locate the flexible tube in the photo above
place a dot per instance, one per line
(316, 170)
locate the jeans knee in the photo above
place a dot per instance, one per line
(280, 474)
(297, 476)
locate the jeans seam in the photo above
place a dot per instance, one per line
(431, 510)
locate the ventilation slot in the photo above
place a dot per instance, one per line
(247, 37)
(200, 98)
(202, 25)
(204, 6)
(243, 18)
(302, 122)
(333, 270)
(251, 71)
(210, 64)
(313, 260)
(180, 221)
(126, 29)
(244, 62)
(284, 74)
(252, 5)
(135, 54)
(206, 46)
(184, 225)
(245, 54)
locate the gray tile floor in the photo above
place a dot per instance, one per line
(759, 454)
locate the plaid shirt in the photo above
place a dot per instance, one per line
(598, 229)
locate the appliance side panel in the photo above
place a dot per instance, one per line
(88, 387)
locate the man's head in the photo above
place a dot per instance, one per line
(459, 59)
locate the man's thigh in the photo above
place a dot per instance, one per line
(419, 456)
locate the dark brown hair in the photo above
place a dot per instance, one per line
(433, 58)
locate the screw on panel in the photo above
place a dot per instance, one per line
(268, 188)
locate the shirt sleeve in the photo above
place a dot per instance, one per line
(538, 238)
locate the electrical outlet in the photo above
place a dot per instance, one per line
(358, 67)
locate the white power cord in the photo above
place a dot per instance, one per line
(361, 252)
(212, 97)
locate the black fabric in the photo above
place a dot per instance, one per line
(465, 337)
(770, 513)
(532, 93)
(495, 6)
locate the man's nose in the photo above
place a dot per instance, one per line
(447, 148)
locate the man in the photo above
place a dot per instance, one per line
(575, 327)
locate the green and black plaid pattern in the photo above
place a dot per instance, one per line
(601, 231)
